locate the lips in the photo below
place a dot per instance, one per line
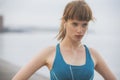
(78, 36)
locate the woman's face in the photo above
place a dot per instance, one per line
(75, 29)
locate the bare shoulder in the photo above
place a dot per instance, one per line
(101, 66)
(34, 64)
(95, 55)
(49, 54)
(42, 57)
(94, 52)
(47, 51)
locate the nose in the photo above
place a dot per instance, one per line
(80, 30)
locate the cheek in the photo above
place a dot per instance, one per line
(70, 30)
(85, 31)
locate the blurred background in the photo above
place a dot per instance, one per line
(27, 26)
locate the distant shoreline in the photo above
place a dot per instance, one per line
(34, 29)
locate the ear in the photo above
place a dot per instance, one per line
(63, 21)
(64, 24)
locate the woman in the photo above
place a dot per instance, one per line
(70, 59)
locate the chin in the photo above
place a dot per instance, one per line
(78, 40)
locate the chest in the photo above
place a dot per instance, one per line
(77, 57)
(81, 67)
(69, 72)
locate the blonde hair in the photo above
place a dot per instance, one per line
(78, 10)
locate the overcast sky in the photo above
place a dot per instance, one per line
(48, 13)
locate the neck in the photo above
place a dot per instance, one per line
(70, 44)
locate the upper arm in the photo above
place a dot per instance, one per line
(34, 64)
(101, 66)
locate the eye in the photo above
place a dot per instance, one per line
(84, 25)
(75, 24)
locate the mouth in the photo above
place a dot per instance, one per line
(79, 36)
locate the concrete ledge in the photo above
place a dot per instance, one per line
(8, 70)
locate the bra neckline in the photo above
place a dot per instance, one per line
(72, 65)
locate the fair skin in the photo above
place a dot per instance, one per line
(71, 51)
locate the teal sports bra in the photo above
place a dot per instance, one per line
(63, 71)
